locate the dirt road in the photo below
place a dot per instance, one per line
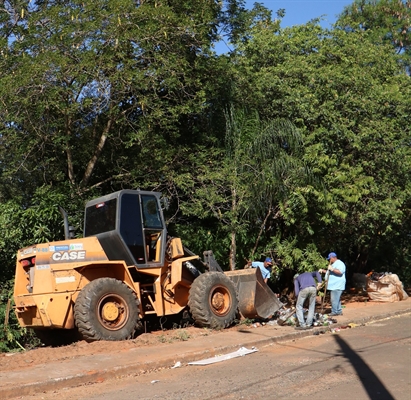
(368, 362)
(44, 355)
(49, 369)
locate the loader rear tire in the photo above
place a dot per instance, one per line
(106, 309)
(213, 301)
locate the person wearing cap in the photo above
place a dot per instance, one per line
(336, 282)
(305, 287)
(264, 267)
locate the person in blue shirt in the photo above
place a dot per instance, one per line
(305, 287)
(336, 282)
(264, 267)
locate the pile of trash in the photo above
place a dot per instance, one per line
(288, 317)
(376, 276)
(385, 287)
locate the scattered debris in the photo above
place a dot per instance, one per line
(155, 381)
(239, 353)
(288, 317)
(176, 365)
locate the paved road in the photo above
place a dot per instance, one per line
(367, 362)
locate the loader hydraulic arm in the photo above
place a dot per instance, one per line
(210, 263)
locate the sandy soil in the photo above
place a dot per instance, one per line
(42, 355)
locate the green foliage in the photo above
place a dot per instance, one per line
(351, 102)
(245, 180)
(246, 322)
(388, 20)
(289, 254)
(182, 335)
(102, 89)
(12, 336)
(12, 236)
(39, 221)
(98, 96)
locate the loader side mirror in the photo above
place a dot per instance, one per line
(72, 232)
(165, 203)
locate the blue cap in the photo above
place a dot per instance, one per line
(331, 255)
(268, 260)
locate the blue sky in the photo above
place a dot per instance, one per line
(299, 12)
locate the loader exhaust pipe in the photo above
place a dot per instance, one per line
(68, 230)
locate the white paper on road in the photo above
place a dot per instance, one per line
(242, 351)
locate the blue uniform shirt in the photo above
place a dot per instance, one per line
(305, 280)
(336, 282)
(264, 271)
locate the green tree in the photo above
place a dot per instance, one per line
(41, 222)
(351, 104)
(387, 20)
(242, 185)
(96, 92)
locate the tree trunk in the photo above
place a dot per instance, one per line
(233, 244)
(262, 228)
(97, 152)
(233, 250)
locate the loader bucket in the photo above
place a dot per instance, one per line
(256, 299)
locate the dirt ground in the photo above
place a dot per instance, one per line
(43, 355)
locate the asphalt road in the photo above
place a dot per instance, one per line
(366, 362)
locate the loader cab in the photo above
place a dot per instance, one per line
(129, 225)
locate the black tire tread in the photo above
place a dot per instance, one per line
(87, 324)
(199, 304)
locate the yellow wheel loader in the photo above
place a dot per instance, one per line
(124, 270)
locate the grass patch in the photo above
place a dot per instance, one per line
(182, 335)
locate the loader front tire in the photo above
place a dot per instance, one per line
(213, 300)
(106, 309)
